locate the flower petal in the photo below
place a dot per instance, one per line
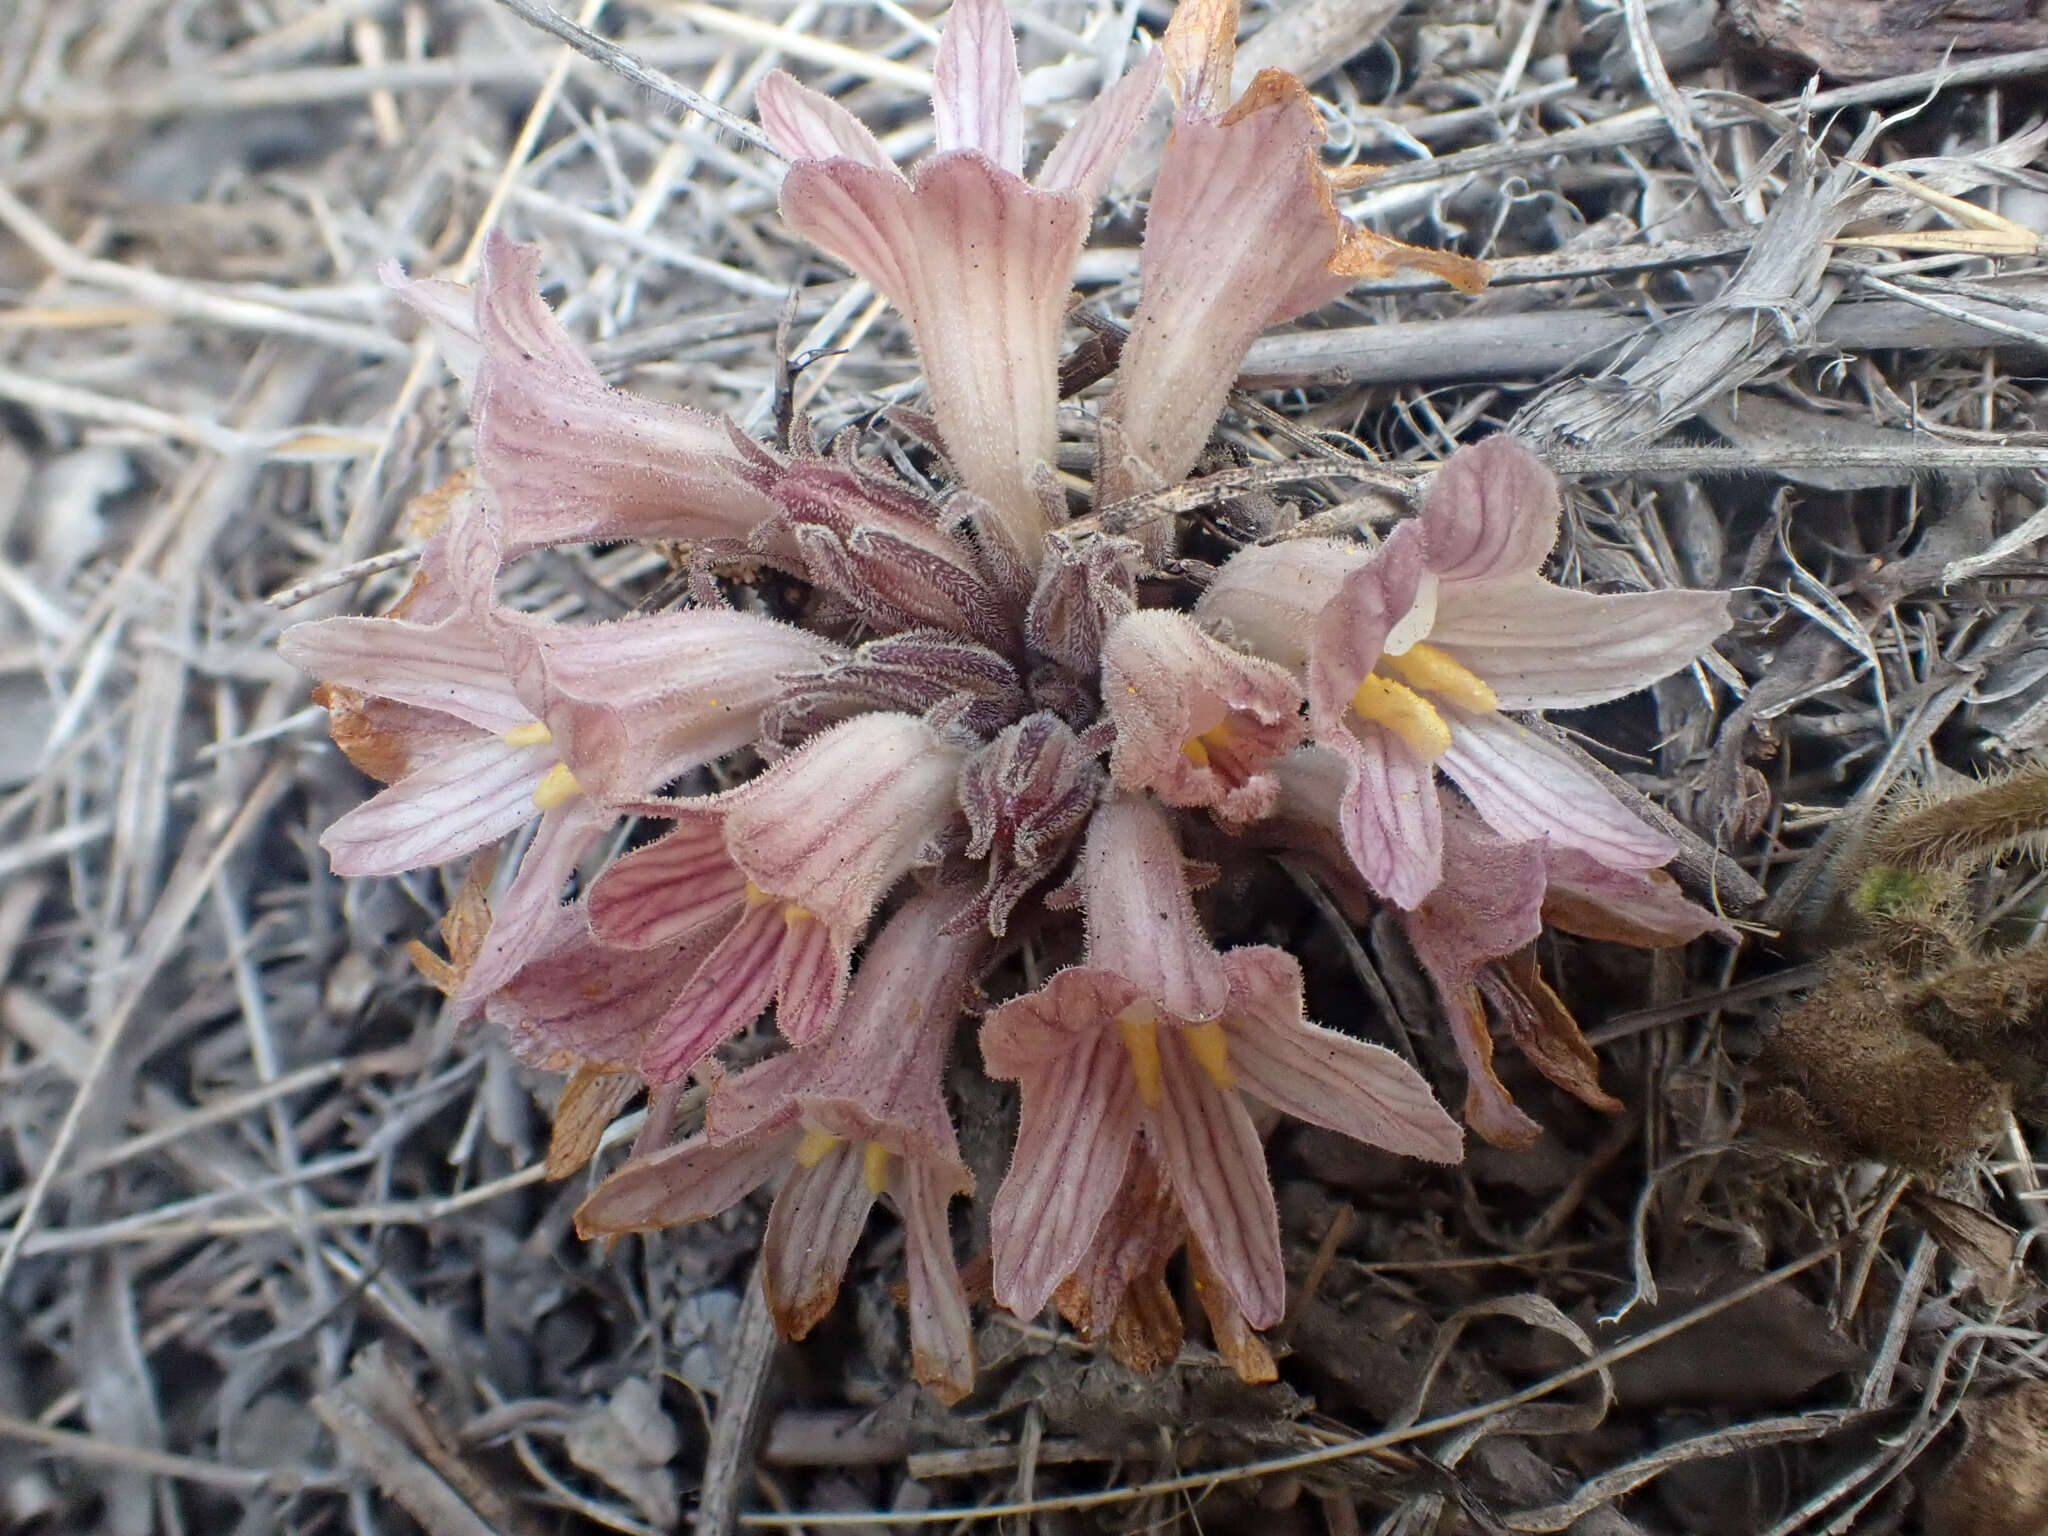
(450, 312)
(941, 1330)
(1320, 1076)
(1268, 596)
(809, 125)
(1074, 1137)
(1196, 722)
(1526, 788)
(1541, 646)
(1390, 816)
(452, 805)
(636, 702)
(812, 1227)
(1238, 236)
(1353, 628)
(1141, 919)
(1491, 510)
(727, 992)
(689, 1181)
(835, 825)
(979, 263)
(524, 916)
(1211, 1155)
(579, 1001)
(453, 668)
(810, 980)
(567, 459)
(977, 94)
(881, 1074)
(1489, 904)
(1621, 906)
(1489, 1108)
(680, 885)
(1087, 153)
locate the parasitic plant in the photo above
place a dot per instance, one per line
(982, 725)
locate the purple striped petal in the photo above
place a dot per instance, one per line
(1540, 646)
(1320, 1076)
(816, 1219)
(977, 95)
(1211, 1155)
(678, 886)
(1528, 789)
(689, 1181)
(1390, 815)
(1492, 510)
(453, 804)
(809, 125)
(1079, 1119)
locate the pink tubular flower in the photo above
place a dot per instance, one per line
(1473, 935)
(861, 1116)
(976, 258)
(1412, 651)
(1241, 234)
(1153, 1038)
(1196, 722)
(796, 861)
(483, 720)
(566, 458)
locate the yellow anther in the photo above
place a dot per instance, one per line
(792, 914)
(874, 1166)
(534, 733)
(756, 897)
(1199, 749)
(1139, 1026)
(1206, 1044)
(1426, 668)
(1404, 712)
(812, 1149)
(559, 787)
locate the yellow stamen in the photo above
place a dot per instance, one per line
(756, 897)
(874, 1167)
(1198, 749)
(1404, 712)
(1430, 670)
(812, 1149)
(558, 788)
(1139, 1026)
(1206, 1043)
(792, 914)
(534, 733)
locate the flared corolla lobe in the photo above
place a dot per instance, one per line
(1411, 653)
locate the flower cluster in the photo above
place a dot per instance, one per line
(981, 724)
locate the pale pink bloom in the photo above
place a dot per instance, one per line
(1241, 234)
(1196, 722)
(796, 861)
(580, 1003)
(566, 458)
(1153, 1037)
(1412, 652)
(976, 258)
(1101, 1066)
(858, 1117)
(1473, 935)
(507, 718)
